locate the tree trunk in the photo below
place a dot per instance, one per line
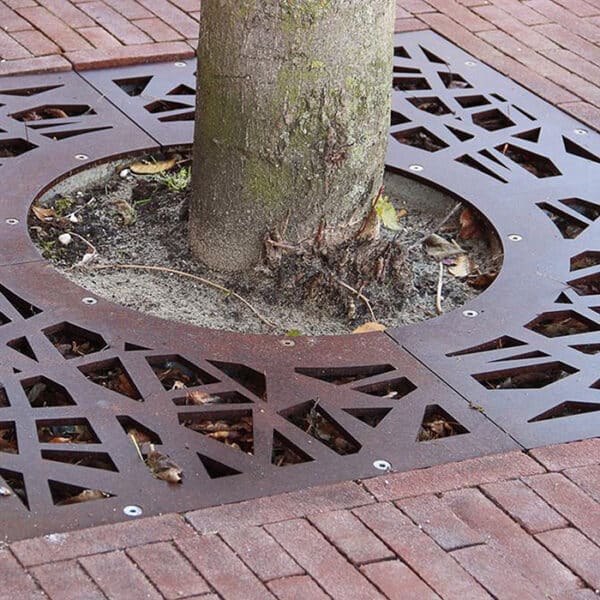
(293, 117)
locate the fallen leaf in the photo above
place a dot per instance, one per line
(151, 168)
(126, 211)
(370, 327)
(482, 281)
(293, 333)
(387, 213)
(84, 496)
(199, 398)
(462, 267)
(43, 213)
(470, 228)
(163, 467)
(440, 248)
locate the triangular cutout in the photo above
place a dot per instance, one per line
(533, 135)
(3, 398)
(566, 409)
(562, 299)
(463, 136)
(23, 346)
(344, 375)
(437, 423)
(286, 453)
(370, 416)
(216, 469)
(129, 347)
(392, 388)
(63, 135)
(465, 159)
(30, 91)
(248, 378)
(182, 90)
(572, 148)
(587, 348)
(16, 482)
(532, 354)
(497, 344)
(431, 57)
(64, 494)
(25, 309)
(133, 86)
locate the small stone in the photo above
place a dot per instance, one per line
(65, 239)
(124, 173)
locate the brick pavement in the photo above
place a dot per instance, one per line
(513, 526)
(548, 46)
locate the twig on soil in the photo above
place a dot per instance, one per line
(195, 278)
(360, 295)
(438, 297)
(281, 245)
(440, 225)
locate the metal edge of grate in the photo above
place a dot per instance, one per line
(271, 381)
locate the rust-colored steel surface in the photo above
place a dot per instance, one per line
(501, 369)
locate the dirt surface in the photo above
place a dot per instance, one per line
(123, 218)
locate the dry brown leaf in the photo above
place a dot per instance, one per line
(370, 327)
(470, 228)
(152, 168)
(440, 248)
(199, 398)
(126, 211)
(84, 496)
(163, 467)
(43, 213)
(462, 267)
(482, 281)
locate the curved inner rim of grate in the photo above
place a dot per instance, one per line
(69, 183)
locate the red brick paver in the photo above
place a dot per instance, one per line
(524, 531)
(548, 46)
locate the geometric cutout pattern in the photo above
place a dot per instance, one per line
(244, 416)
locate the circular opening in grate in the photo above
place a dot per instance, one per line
(123, 236)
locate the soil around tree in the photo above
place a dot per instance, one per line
(314, 286)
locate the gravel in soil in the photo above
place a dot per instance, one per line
(141, 220)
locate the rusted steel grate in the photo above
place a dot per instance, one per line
(308, 410)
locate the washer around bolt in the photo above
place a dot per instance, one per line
(515, 237)
(470, 314)
(133, 511)
(580, 131)
(180, 64)
(287, 343)
(470, 63)
(12, 221)
(89, 300)
(383, 465)
(416, 168)
(81, 157)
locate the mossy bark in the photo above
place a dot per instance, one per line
(293, 114)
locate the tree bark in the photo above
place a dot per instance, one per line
(293, 117)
